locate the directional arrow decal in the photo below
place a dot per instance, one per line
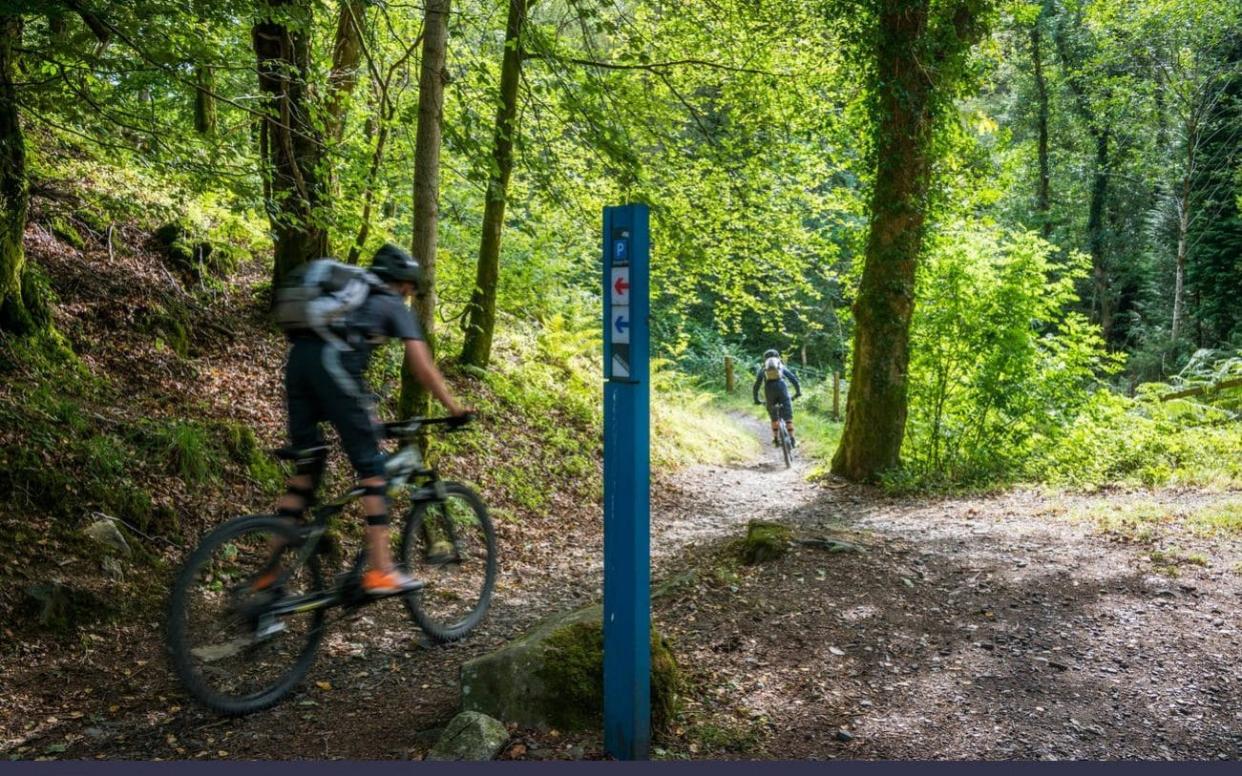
(622, 325)
(622, 285)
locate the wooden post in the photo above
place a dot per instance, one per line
(729, 374)
(804, 356)
(836, 395)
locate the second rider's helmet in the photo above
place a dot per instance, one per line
(396, 265)
(769, 353)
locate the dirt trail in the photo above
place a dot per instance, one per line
(966, 628)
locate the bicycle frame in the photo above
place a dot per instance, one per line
(349, 591)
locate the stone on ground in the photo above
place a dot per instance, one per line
(470, 736)
(764, 541)
(552, 677)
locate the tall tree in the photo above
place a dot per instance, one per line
(290, 147)
(481, 322)
(432, 78)
(1043, 190)
(346, 62)
(14, 187)
(1070, 40)
(918, 58)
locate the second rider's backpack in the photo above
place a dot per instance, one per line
(772, 369)
(319, 296)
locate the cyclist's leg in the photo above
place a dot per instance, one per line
(349, 410)
(787, 415)
(773, 416)
(305, 412)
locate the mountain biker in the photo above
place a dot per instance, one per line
(772, 375)
(323, 382)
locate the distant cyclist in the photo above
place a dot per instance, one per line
(772, 376)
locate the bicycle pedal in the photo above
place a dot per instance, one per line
(269, 626)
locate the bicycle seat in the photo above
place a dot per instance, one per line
(300, 453)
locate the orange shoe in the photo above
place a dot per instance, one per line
(390, 582)
(265, 580)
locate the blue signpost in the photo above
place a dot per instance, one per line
(627, 548)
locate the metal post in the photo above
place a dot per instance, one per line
(627, 568)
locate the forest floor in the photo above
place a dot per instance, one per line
(1022, 625)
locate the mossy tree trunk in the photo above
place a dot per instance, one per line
(204, 100)
(14, 187)
(346, 63)
(290, 147)
(916, 53)
(432, 77)
(481, 322)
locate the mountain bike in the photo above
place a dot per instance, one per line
(786, 444)
(240, 648)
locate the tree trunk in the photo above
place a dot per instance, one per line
(1183, 220)
(204, 100)
(14, 187)
(290, 147)
(1043, 191)
(1101, 277)
(481, 323)
(432, 77)
(346, 58)
(876, 420)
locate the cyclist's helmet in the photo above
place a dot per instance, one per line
(770, 353)
(396, 265)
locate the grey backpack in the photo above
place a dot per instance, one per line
(319, 296)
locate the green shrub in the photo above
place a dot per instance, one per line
(997, 369)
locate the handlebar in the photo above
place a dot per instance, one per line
(400, 429)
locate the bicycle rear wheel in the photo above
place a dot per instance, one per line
(451, 546)
(786, 446)
(239, 646)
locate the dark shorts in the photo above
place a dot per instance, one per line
(780, 408)
(321, 386)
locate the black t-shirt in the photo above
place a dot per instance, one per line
(383, 316)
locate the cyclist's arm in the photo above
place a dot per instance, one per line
(423, 367)
(790, 376)
(758, 383)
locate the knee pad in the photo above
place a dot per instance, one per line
(312, 467)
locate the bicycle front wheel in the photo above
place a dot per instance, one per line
(451, 546)
(238, 638)
(786, 446)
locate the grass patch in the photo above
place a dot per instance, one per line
(1138, 522)
(1224, 519)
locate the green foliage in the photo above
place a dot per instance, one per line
(997, 370)
(1143, 441)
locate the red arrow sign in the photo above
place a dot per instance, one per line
(621, 285)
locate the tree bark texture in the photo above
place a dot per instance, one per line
(876, 420)
(481, 321)
(204, 100)
(432, 78)
(1043, 194)
(14, 186)
(346, 60)
(291, 149)
(1101, 273)
(914, 53)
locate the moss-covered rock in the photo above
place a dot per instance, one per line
(60, 608)
(66, 232)
(764, 541)
(553, 677)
